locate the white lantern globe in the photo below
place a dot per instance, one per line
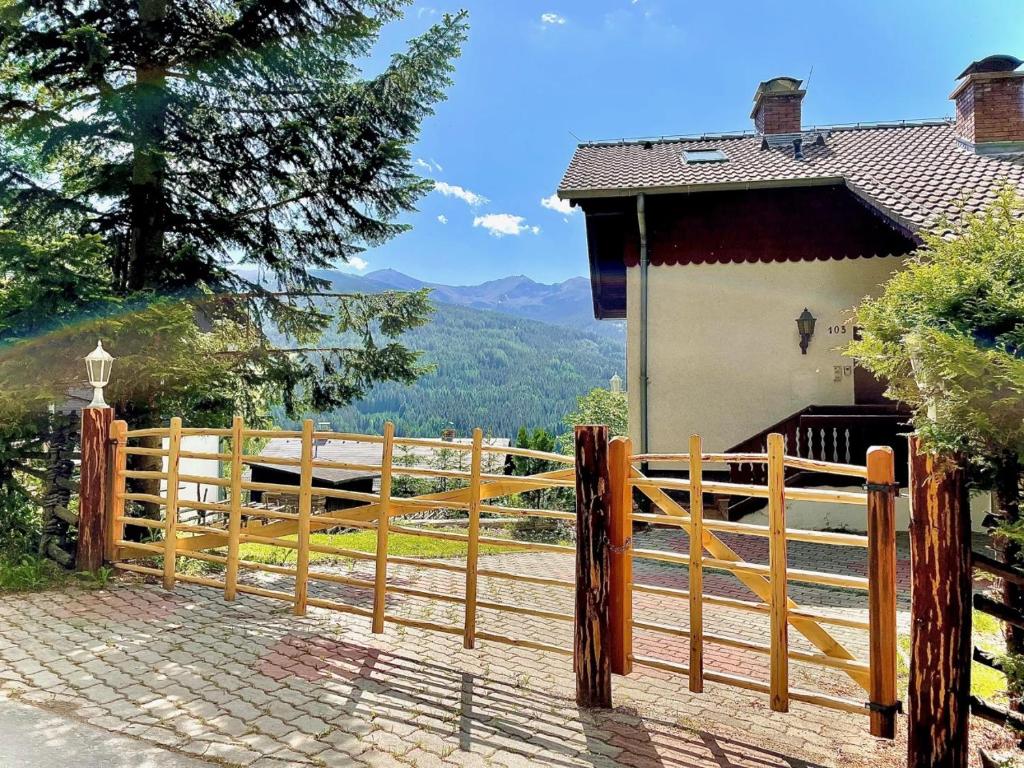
(98, 363)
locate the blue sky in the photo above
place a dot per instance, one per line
(535, 73)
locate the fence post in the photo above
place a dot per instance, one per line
(380, 578)
(473, 543)
(696, 585)
(305, 512)
(620, 605)
(591, 649)
(114, 526)
(882, 490)
(235, 513)
(95, 487)
(779, 602)
(938, 697)
(171, 518)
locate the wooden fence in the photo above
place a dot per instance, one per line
(769, 582)
(606, 482)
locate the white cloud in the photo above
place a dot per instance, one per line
(551, 18)
(430, 166)
(453, 190)
(355, 264)
(443, 219)
(501, 224)
(554, 203)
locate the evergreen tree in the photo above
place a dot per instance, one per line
(193, 135)
(948, 335)
(147, 147)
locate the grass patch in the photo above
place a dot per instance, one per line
(399, 545)
(29, 573)
(986, 682)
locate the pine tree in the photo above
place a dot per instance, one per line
(196, 135)
(149, 147)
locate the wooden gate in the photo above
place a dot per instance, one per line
(214, 531)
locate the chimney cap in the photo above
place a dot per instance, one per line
(996, 63)
(776, 86)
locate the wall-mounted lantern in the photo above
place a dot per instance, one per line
(805, 325)
(98, 363)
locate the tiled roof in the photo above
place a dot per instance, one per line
(913, 173)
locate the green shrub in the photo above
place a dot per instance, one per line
(19, 526)
(28, 573)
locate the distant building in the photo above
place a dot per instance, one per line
(355, 452)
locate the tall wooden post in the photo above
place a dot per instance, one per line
(620, 599)
(696, 585)
(113, 519)
(882, 491)
(779, 597)
(171, 519)
(938, 704)
(473, 544)
(235, 502)
(305, 513)
(95, 488)
(380, 578)
(591, 649)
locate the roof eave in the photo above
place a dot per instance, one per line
(685, 189)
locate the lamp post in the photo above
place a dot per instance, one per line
(95, 475)
(98, 363)
(805, 325)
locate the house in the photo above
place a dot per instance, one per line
(712, 246)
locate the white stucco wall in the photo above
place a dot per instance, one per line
(723, 349)
(198, 467)
(848, 517)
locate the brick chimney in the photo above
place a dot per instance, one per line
(990, 105)
(777, 106)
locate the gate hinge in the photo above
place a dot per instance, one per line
(886, 709)
(884, 487)
(619, 549)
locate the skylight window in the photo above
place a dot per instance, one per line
(704, 156)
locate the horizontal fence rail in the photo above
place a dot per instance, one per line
(147, 472)
(241, 521)
(769, 582)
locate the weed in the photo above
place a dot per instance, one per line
(28, 573)
(97, 579)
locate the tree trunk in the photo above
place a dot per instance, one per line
(146, 197)
(1007, 493)
(938, 703)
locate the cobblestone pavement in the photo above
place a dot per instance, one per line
(247, 683)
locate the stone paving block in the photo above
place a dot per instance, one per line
(232, 753)
(275, 690)
(231, 726)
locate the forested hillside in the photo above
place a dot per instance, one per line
(493, 370)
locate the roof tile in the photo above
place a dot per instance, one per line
(916, 173)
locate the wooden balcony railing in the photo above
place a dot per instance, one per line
(835, 433)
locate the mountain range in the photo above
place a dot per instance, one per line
(508, 353)
(568, 303)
